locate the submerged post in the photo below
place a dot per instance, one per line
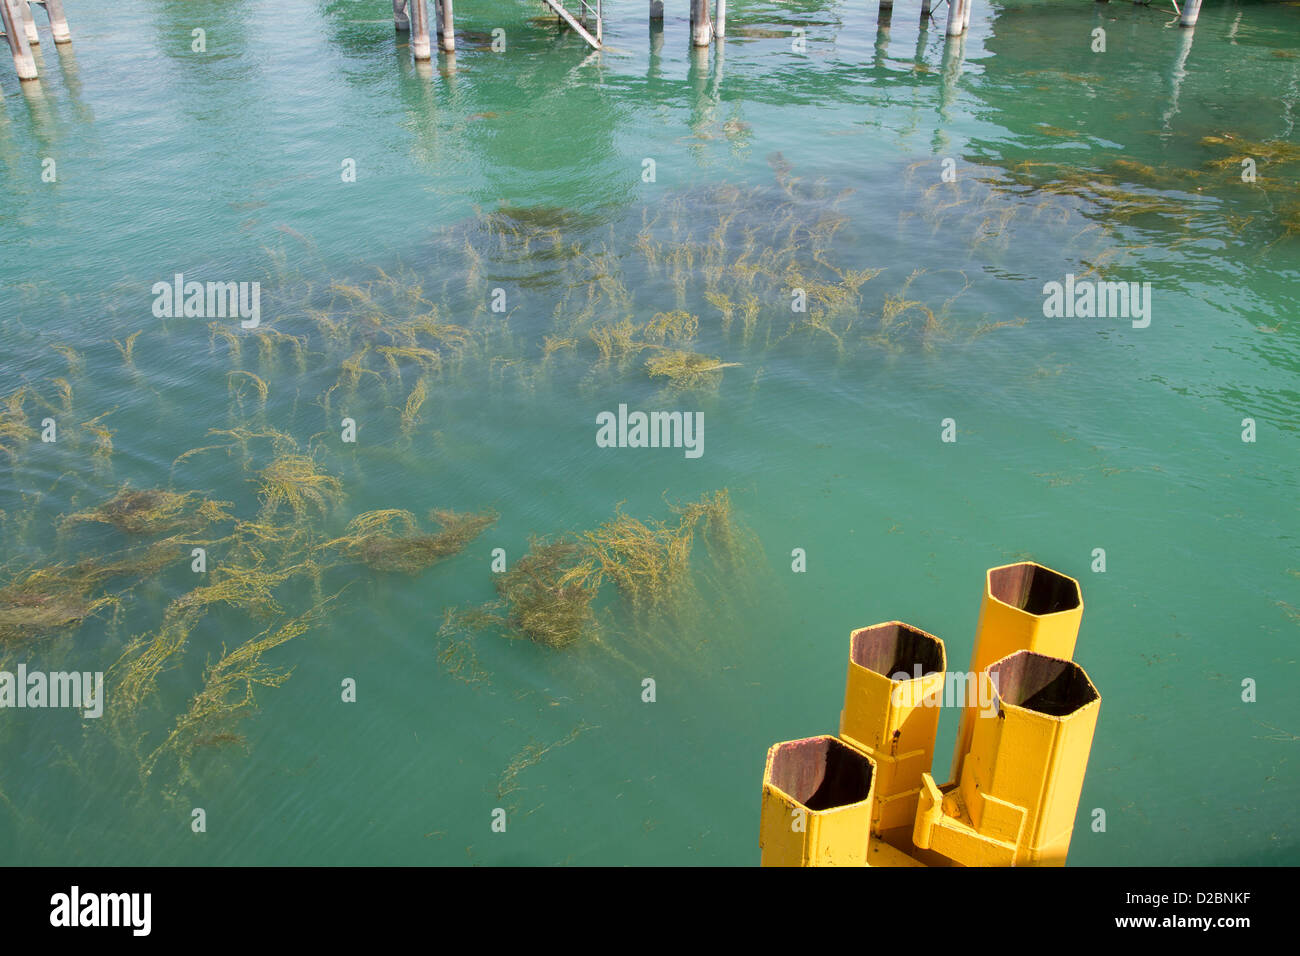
(956, 17)
(925, 10)
(965, 19)
(401, 22)
(701, 27)
(447, 28)
(657, 10)
(29, 21)
(420, 29)
(24, 64)
(58, 21)
(1191, 10)
(720, 28)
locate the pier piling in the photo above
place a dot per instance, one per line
(419, 15)
(58, 20)
(401, 21)
(29, 21)
(956, 17)
(657, 10)
(24, 63)
(720, 27)
(1191, 11)
(447, 27)
(701, 26)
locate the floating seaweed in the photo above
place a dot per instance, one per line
(687, 370)
(154, 511)
(390, 540)
(228, 693)
(41, 600)
(294, 480)
(549, 591)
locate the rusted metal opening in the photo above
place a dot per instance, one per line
(1034, 588)
(821, 773)
(1043, 684)
(891, 649)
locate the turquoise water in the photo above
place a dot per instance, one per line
(772, 168)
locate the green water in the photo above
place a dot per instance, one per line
(1072, 434)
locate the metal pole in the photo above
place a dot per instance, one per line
(419, 29)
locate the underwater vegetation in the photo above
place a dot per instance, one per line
(548, 595)
(389, 540)
(154, 511)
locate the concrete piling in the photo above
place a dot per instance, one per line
(29, 21)
(401, 20)
(701, 25)
(1191, 11)
(419, 15)
(58, 20)
(720, 14)
(447, 27)
(24, 63)
(956, 17)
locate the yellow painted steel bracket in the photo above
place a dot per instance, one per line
(868, 797)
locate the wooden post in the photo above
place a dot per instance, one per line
(956, 17)
(29, 21)
(24, 64)
(965, 20)
(925, 9)
(401, 21)
(657, 10)
(720, 28)
(701, 27)
(1191, 11)
(447, 28)
(886, 4)
(58, 21)
(419, 29)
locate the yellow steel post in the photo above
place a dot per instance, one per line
(1026, 606)
(817, 800)
(892, 698)
(1021, 780)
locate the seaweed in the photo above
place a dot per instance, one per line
(549, 591)
(294, 480)
(154, 511)
(687, 370)
(390, 540)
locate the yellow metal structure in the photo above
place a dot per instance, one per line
(867, 798)
(892, 698)
(817, 800)
(1026, 607)
(1019, 791)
